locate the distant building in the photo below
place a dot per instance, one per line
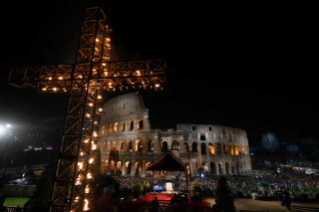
(128, 144)
(38, 138)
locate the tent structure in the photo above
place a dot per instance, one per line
(168, 162)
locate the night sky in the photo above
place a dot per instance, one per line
(246, 65)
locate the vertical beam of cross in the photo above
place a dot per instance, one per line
(79, 134)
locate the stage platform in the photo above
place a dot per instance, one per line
(162, 197)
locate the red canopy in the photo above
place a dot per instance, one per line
(167, 162)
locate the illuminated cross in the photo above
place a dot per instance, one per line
(93, 72)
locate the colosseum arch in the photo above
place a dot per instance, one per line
(219, 147)
(138, 146)
(237, 167)
(227, 167)
(204, 166)
(115, 126)
(232, 168)
(211, 148)
(137, 168)
(195, 146)
(110, 127)
(103, 129)
(120, 146)
(212, 168)
(119, 167)
(129, 146)
(231, 149)
(236, 149)
(106, 165)
(128, 167)
(243, 149)
(149, 173)
(225, 147)
(122, 127)
(139, 124)
(175, 145)
(150, 146)
(113, 146)
(187, 146)
(108, 146)
(164, 146)
(112, 166)
(203, 148)
(131, 125)
(220, 168)
(104, 146)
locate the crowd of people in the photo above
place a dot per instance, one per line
(293, 178)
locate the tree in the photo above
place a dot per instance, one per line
(40, 200)
(293, 149)
(224, 200)
(269, 141)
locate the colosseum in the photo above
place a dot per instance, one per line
(128, 145)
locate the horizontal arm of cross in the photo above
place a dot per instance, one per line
(105, 75)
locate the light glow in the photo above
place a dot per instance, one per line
(44, 89)
(97, 40)
(60, 78)
(91, 161)
(100, 109)
(80, 165)
(89, 175)
(91, 104)
(99, 97)
(86, 207)
(93, 146)
(157, 85)
(87, 189)
(55, 89)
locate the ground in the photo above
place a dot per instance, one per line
(273, 206)
(15, 201)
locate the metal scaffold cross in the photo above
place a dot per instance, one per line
(93, 72)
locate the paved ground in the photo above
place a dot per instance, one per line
(273, 206)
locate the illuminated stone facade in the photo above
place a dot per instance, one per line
(128, 144)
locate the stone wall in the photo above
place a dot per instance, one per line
(128, 144)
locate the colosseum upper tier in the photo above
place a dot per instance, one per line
(128, 144)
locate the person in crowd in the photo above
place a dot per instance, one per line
(184, 197)
(155, 205)
(280, 196)
(286, 198)
(174, 199)
(125, 193)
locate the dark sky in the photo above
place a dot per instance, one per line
(247, 65)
